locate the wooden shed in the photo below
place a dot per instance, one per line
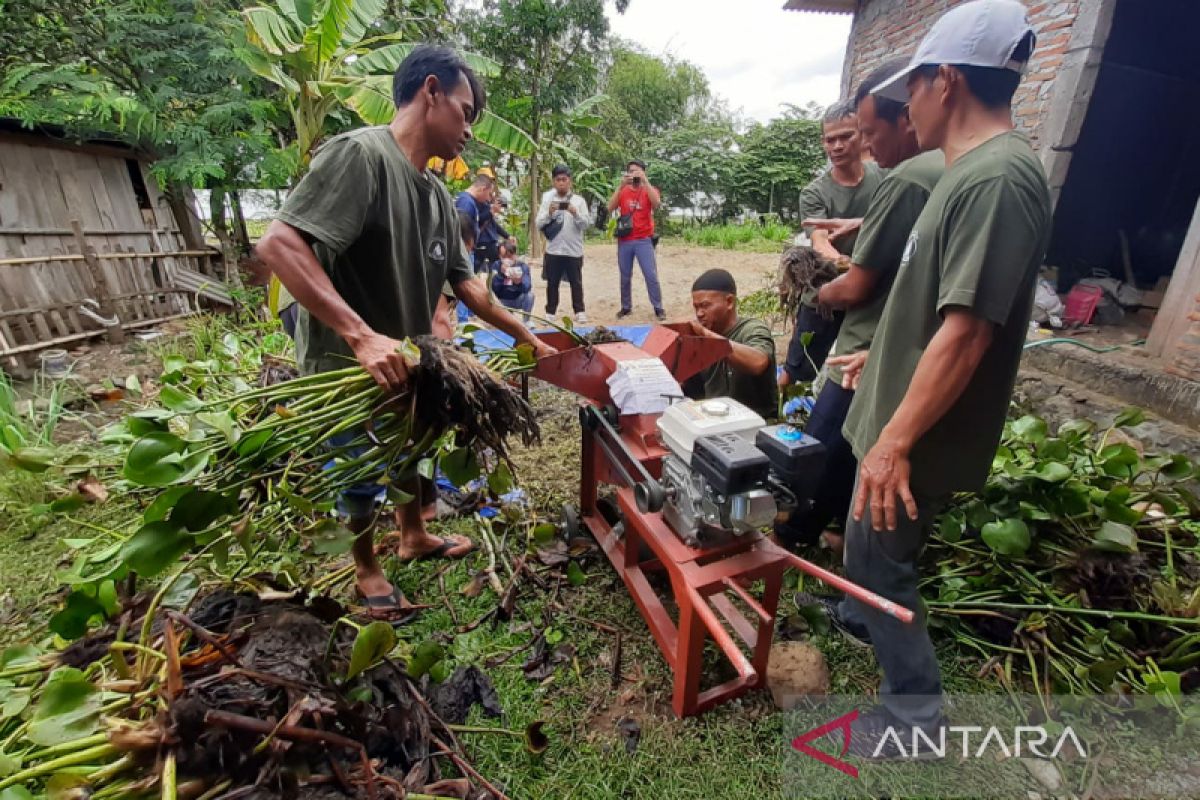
(89, 243)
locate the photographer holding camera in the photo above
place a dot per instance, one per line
(634, 201)
(562, 218)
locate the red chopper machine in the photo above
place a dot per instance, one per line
(690, 496)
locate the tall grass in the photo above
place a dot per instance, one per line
(771, 235)
(32, 426)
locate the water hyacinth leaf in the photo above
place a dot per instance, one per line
(172, 365)
(806, 339)
(1053, 472)
(1105, 672)
(424, 656)
(155, 547)
(575, 574)
(398, 496)
(179, 400)
(9, 765)
(425, 468)
(69, 709)
(1033, 511)
(198, 509)
(19, 655)
(1030, 429)
(65, 505)
(1116, 506)
(439, 671)
(154, 459)
(460, 466)
(372, 643)
(330, 538)
(71, 621)
(1114, 537)
(500, 481)
(163, 504)
(182, 591)
(1119, 460)
(544, 533)
(152, 420)
(1076, 429)
(33, 459)
(223, 423)
(951, 527)
(1180, 468)
(525, 356)
(1129, 417)
(1165, 686)
(252, 443)
(16, 793)
(1055, 450)
(134, 385)
(1009, 537)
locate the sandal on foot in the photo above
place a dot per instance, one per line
(389, 607)
(451, 547)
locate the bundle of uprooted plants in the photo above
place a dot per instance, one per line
(238, 698)
(1077, 569)
(802, 271)
(311, 437)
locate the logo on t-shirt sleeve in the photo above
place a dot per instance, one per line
(910, 247)
(437, 251)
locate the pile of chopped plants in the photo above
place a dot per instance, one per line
(277, 692)
(1077, 569)
(237, 698)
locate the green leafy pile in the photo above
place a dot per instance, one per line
(1078, 564)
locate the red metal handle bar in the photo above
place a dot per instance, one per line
(849, 587)
(721, 637)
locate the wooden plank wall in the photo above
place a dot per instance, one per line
(44, 186)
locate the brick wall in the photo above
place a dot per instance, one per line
(887, 28)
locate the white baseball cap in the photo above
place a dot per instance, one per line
(982, 33)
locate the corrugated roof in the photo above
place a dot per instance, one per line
(822, 6)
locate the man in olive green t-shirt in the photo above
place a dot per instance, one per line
(844, 191)
(934, 394)
(747, 374)
(364, 244)
(862, 291)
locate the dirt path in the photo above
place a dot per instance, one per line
(678, 266)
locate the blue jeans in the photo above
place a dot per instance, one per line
(522, 303)
(824, 331)
(886, 563)
(643, 250)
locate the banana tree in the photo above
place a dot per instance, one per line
(326, 55)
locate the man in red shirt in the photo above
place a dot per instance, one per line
(634, 201)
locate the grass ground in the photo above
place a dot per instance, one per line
(740, 750)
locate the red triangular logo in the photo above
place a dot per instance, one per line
(844, 722)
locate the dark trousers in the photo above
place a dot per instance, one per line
(486, 254)
(886, 563)
(836, 486)
(824, 331)
(558, 268)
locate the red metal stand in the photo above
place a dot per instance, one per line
(707, 586)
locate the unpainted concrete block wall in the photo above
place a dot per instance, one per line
(884, 29)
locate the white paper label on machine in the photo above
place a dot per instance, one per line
(643, 386)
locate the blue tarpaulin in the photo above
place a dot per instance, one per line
(496, 340)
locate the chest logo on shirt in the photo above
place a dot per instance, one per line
(437, 251)
(910, 247)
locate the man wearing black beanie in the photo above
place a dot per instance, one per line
(748, 373)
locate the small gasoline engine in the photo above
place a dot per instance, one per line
(728, 473)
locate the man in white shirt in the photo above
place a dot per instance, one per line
(562, 218)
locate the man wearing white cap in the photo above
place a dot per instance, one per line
(935, 391)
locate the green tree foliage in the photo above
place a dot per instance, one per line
(774, 163)
(549, 52)
(655, 93)
(694, 163)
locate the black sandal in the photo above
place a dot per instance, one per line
(389, 608)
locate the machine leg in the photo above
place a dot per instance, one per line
(766, 630)
(689, 658)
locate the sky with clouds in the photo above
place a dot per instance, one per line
(756, 55)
